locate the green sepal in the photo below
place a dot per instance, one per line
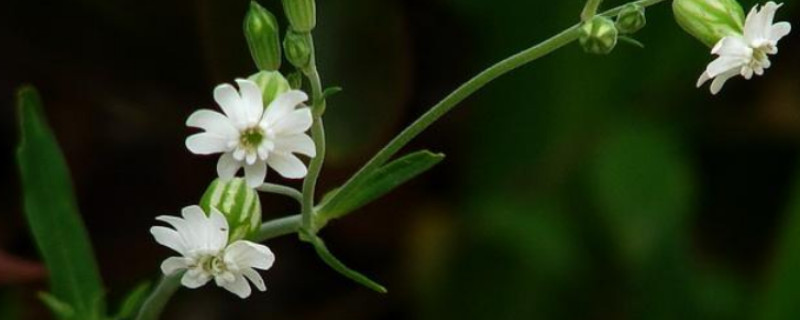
(263, 37)
(302, 14)
(333, 262)
(271, 83)
(380, 182)
(598, 35)
(709, 20)
(295, 80)
(631, 19)
(239, 204)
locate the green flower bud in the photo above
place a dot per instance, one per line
(598, 35)
(709, 20)
(297, 47)
(262, 34)
(239, 204)
(272, 84)
(295, 80)
(302, 14)
(631, 19)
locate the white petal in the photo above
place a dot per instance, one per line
(780, 30)
(255, 173)
(206, 143)
(283, 105)
(239, 154)
(231, 103)
(239, 287)
(296, 122)
(703, 79)
(194, 279)
(213, 122)
(168, 238)
(251, 157)
(219, 225)
(227, 166)
(733, 46)
(173, 264)
(752, 24)
(255, 278)
(719, 82)
(287, 165)
(246, 254)
(251, 100)
(298, 143)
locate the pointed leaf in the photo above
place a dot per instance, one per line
(52, 213)
(379, 183)
(133, 301)
(58, 307)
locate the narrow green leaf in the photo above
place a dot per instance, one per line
(779, 301)
(133, 301)
(632, 41)
(52, 213)
(330, 260)
(329, 92)
(379, 183)
(58, 307)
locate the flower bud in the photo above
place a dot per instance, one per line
(302, 14)
(598, 35)
(709, 20)
(272, 84)
(297, 47)
(238, 203)
(263, 38)
(631, 19)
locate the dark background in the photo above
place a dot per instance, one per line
(586, 187)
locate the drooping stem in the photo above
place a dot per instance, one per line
(467, 89)
(590, 9)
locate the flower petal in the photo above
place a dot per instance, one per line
(252, 102)
(168, 238)
(255, 173)
(246, 254)
(297, 143)
(287, 165)
(173, 264)
(780, 30)
(206, 143)
(283, 105)
(238, 287)
(227, 166)
(255, 278)
(213, 122)
(194, 278)
(719, 81)
(231, 103)
(296, 122)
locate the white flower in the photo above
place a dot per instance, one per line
(250, 136)
(747, 54)
(203, 243)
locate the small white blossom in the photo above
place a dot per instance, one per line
(747, 54)
(250, 136)
(202, 242)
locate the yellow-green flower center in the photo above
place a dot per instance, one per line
(251, 138)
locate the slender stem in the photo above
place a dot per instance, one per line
(465, 90)
(590, 9)
(318, 134)
(281, 190)
(279, 227)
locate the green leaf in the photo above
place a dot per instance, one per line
(329, 92)
(52, 213)
(379, 183)
(783, 287)
(133, 301)
(58, 307)
(330, 260)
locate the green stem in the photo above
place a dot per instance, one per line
(467, 89)
(318, 135)
(278, 227)
(281, 190)
(590, 9)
